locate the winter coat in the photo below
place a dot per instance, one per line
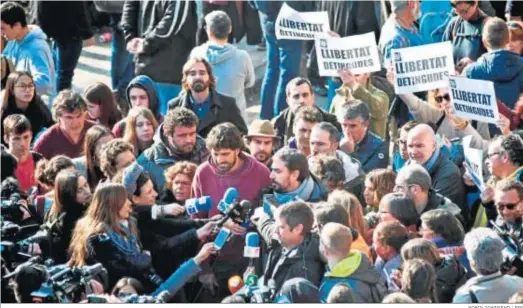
(438, 201)
(505, 69)
(494, 288)
(160, 156)
(372, 152)
(61, 232)
(33, 55)
(465, 36)
(232, 68)
(168, 29)
(64, 21)
(358, 272)
(450, 275)
(302, 261)
(223, 109)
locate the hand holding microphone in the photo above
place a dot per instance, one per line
(207, 250)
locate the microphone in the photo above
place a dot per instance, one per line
(251, 251)
(197, 205)
(235, 284)
(237, 212)
(229, 198)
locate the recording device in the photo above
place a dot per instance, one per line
(197, 205)
(16, 241)
(222, 238)
(67, 284)
(512, 252)
(229, 199)
(257, 294)
(270, 203)
(238, 212)
(235, 284)
(251, 251)
(11, 208)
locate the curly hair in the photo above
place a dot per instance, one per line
(47, 170)
(513, 146)
(182, 167)
(110, 151)
(308, 114)
(225, 136)
(67, 101)
(328, 169)
(176, 117)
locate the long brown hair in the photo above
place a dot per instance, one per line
(353, 207)
(130, 125)
(65, 187)
(93, 134)
(383, 181)
(101, 216)
(100, 94)
(189, 64)
(9, 91)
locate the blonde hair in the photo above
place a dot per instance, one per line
(353, 207)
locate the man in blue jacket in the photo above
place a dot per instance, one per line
(499, 65)
(359, 141)
(28, 48)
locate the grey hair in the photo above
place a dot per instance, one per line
(414, 175)
(334, 134)
(219, 24)
(484, 248)
(357, 109)
(398, 5)
(496, 33)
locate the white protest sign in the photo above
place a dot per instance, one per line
(294, 25)
(474, 163)
(358, 53)
(474, 99)
(422, 68)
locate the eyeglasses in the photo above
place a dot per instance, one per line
(25, 86)
(490, 155)
(509, 206)
(440, 98)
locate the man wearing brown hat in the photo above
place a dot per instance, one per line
(261, 140)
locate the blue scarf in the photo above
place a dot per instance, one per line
(303, 192)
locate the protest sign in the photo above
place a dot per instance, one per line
(358, 53)
(294, 25)
(422, 68)
(474, 99)
(474, 163)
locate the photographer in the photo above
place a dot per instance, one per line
(170, 240)
(71, 198)
(107, 234)
(293, 250)
(508, 199)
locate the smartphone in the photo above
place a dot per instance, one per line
(269, 204)
(222, 238)
(96, 299)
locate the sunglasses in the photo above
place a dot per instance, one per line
(509, 206)
(440, 98)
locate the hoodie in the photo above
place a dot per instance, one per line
(232, 68)
(147, 84)
(160, 156)
(356, 271)
(33, 55)
(505, 69)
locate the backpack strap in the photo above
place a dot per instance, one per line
(438, 124)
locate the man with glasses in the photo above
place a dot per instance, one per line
(415, 182)
(200, 95)
(67, 136)
(504, 162)
(465, 31)
(508, 201)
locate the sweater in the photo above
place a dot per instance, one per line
(48, 141)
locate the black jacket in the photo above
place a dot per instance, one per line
(61, 232)
(171, 241)
(450, 275)
(168, 29)
(303, 261)
(283, 123)
(438, 201)
(223, 109)
(64, 21)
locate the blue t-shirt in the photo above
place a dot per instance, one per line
(394, 36)
(201, 109)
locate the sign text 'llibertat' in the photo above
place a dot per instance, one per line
(303, 26)
(347, 54)
(473, 98)
(404, 67)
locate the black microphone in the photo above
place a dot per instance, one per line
(237, 212)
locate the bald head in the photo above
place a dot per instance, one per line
(336, 239)
(421, 143)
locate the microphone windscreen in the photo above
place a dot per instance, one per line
(235, 283)
(252, 239)
(231, 194)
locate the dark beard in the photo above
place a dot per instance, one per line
(198, 86)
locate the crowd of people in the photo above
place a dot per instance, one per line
(366, 200)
